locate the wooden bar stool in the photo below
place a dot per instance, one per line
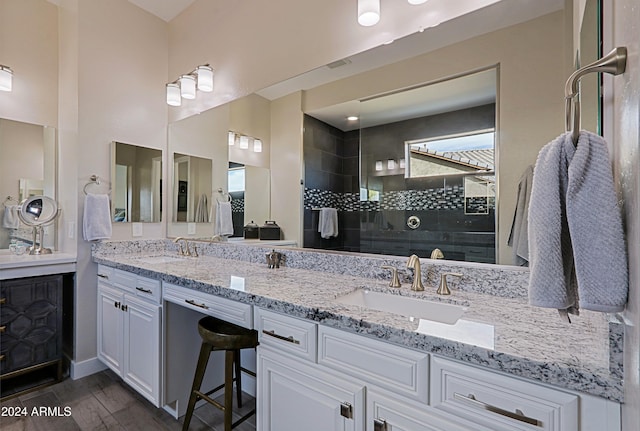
(221, 335)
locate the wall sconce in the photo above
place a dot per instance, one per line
(368, 12)
(391, 164)
(244, 142)
(232, 139)
(257, 146)
(6, 78)
(200, 78)
(378, 165)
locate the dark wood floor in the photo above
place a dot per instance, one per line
(104, 402)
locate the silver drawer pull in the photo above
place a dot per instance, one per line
(290, 338)
(145, 290)
(518, 415)
(192, 302)
(379, 425)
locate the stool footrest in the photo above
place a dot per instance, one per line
(210, 400)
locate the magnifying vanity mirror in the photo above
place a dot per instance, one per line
(136, 174)
(37, 212)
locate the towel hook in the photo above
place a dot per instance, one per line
(613, 63)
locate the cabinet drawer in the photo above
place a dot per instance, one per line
(149, 289)
(222, 308)
(295, 336)
(397, 369)
(123, 280)
(498, 401)
(105, 273)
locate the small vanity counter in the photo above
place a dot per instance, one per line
(503, 334)
(14, 266)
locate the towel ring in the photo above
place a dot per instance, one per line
(93, 180)
(228, 196)
(10, 199)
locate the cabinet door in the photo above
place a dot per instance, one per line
(400, 414)
(142, 347)
(110, 326)
(295, 396)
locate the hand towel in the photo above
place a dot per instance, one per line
(10, 219)
(519, 237)
(96, 222)
(202, 210)
(576, 241)
(328, 223)
(224, 220)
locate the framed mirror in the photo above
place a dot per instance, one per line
(136, 178)
(28, 167)
(192, 188)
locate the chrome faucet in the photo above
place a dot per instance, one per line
(414, 263)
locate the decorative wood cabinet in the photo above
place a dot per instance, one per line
(30, 327)
(129, 329)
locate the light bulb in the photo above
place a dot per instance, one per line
(6, 78)
(188, 86)
(205, 78)
(173, 94)
(257, 146)
(244, 142)
(232, 139)
(368, 12)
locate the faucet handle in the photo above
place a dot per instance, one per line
(395, 281)
(443, 289)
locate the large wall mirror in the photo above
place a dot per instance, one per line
(28, 165)
(359, 166)
(136, 175)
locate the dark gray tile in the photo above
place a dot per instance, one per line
(47, 413)
(135, 416)
(90, 414)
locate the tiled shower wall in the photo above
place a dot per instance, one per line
(331, 180)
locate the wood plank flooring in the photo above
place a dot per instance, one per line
(102, 402)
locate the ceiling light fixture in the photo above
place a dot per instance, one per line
(6, 78)
(368, 12)
(417, 1)
(201, 78)
(352, 118)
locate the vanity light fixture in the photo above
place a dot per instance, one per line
(368, 12)
(201, 78)
(402, 163)
(417, 1)
(378, 165)
(6, 78)
(232, 139)
(173, 94)
(188, 86)
(257, 146)
(205, 78)
(244, 142)
(391, 164)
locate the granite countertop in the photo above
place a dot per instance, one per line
(503, 334)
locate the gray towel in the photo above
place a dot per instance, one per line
(96, 221)
(519, 237)
(576, 242)
(328, 223)
(224, 219)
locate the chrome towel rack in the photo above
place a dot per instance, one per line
(94, 179)
(613, 63)
(226, 196)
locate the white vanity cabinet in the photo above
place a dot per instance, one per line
(129, 329)
(293, 395)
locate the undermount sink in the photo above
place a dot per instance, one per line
(404, 306)
(160, 259)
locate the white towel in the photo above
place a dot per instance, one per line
(10, 219)
(202, 211)
(519, 238)
(328, 222)
(224, 220)
(96, 222)
(576, 242)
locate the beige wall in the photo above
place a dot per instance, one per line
(250, 115)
